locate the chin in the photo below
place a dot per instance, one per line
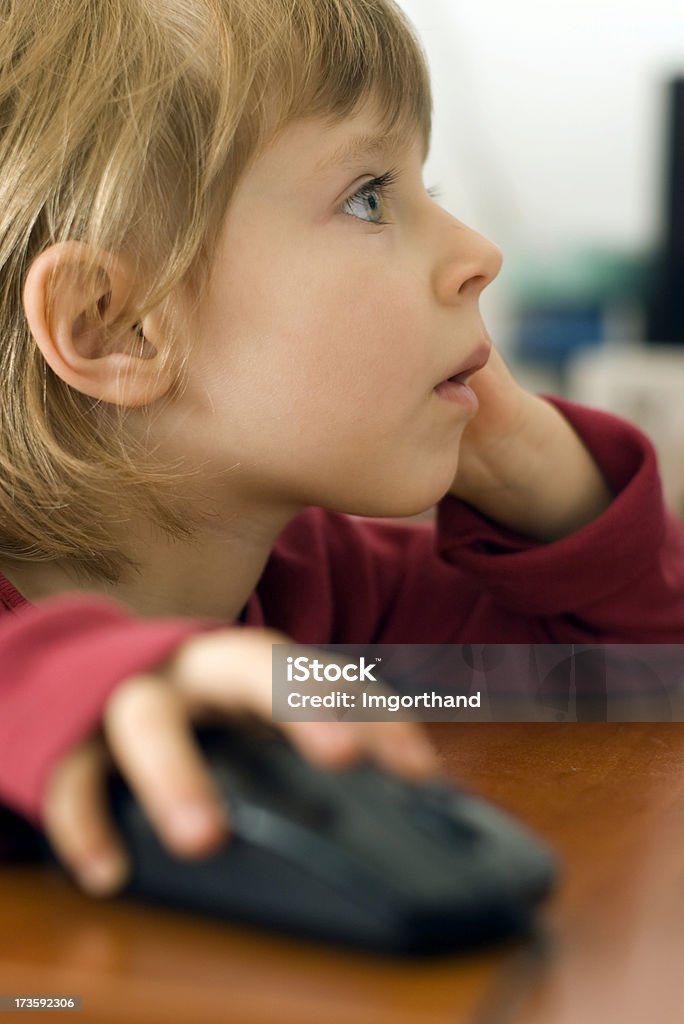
(416, 508)
(424, 495)
(396, 491)
(398, 505)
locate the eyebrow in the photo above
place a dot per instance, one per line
(357, 146)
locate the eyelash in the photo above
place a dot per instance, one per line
(383, 186)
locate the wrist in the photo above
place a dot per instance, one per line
(503, 460)
(539, 479)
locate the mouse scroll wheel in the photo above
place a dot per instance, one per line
(314, 812)
(438, 812)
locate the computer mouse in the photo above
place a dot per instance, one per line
(356, 856)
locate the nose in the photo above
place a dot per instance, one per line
(468, 263)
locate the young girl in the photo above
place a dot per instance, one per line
(237, 331)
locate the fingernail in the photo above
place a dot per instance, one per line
(193, 822)
(331, 738)
(422, 758)
(104, 874)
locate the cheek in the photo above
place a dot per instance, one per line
(355, 335)
(312, 340)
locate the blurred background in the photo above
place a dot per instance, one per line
(559, 134)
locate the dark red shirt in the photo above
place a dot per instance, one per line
(334, 578)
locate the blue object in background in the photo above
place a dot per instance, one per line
(552, 335)
(566, 302)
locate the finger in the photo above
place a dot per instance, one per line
(78, 824)
(150, 736)
(227, 670)
(328, 744)
(232, 672)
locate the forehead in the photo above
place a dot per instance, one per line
(356, 144)
(313, 146)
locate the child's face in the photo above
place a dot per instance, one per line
(316, 355)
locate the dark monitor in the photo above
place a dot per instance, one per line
(665, 306)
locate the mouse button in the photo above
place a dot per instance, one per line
(268, 772)
(445, 812)
(310, 811)
(328, 859)
(367, 780)
(380, 839)
(260, 791)
(431, 807)
(364, 785)
(275, 764)
(240, 764)
(377, 824)
(445, 825)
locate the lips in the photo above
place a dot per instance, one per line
(471, 364)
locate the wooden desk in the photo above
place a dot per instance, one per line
(608, 797)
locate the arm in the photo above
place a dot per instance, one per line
(86, 684)
(523, 465)
(61, 660)
(586, 485)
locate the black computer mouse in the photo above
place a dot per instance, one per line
(354, 855)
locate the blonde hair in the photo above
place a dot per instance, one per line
(126, 124)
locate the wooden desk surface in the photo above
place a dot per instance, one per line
(608, 797)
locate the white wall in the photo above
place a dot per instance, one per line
(548, 114)
(548, 126)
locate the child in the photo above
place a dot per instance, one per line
(230, 311)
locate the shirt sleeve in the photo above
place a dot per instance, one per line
(61, 659)
(620, 579)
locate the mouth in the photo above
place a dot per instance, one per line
(470, 365)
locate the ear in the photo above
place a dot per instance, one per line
(84, 324)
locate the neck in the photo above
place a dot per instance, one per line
(211, 576)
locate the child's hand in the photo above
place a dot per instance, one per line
(523, 465)
(147, 733)
(490, 437)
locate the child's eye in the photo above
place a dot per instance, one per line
(371, 199)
